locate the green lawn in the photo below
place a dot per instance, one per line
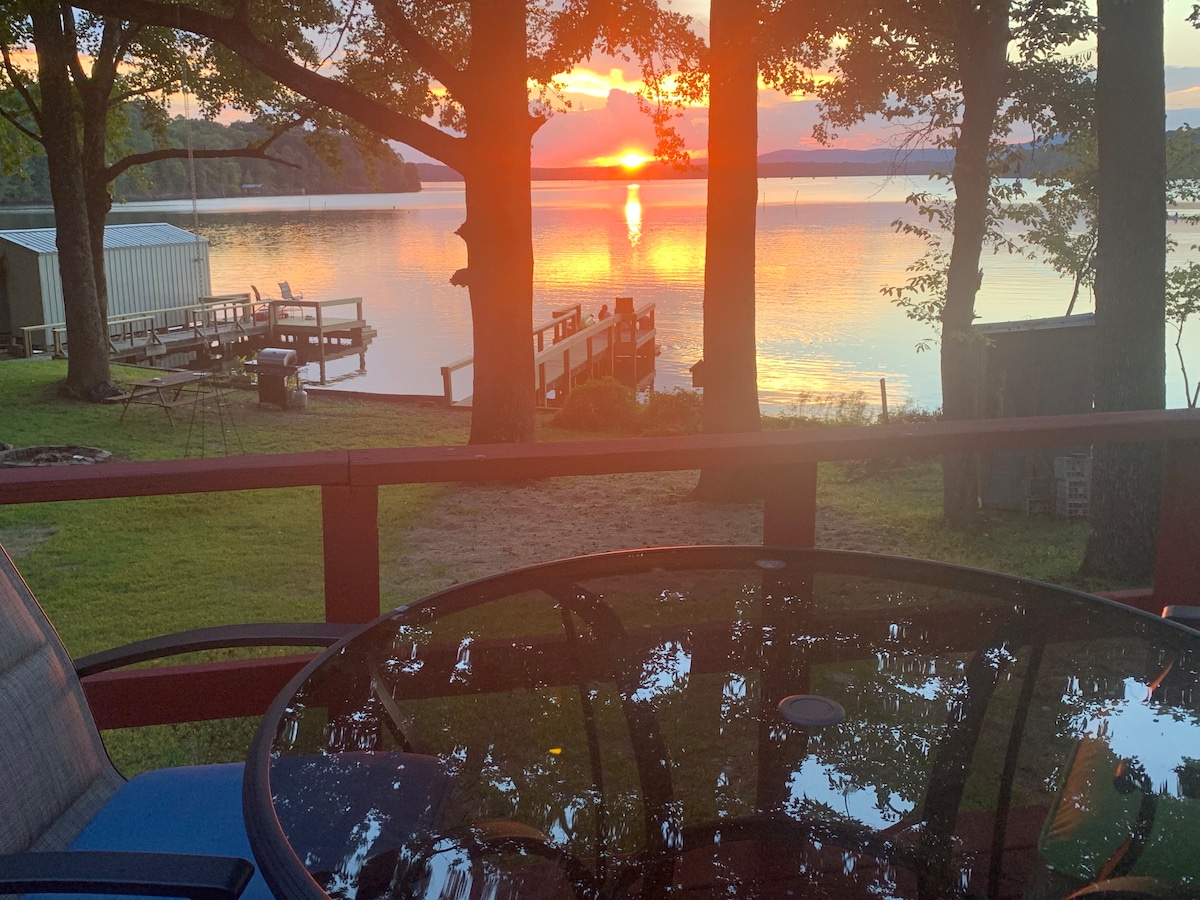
(906, 502)
(111, 571)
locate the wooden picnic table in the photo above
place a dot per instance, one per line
(169, 391)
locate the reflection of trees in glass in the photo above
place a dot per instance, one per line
(556, 764)
(1141, 700)
(896, 709)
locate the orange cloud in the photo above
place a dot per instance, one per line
(582, 81)
(1185, 98)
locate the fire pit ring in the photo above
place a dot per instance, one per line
(53, 456)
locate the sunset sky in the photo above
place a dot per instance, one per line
(605, 124)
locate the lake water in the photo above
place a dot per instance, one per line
(825, 247)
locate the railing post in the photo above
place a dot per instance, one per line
(1176, 575)
(790, 505)
(321, 339)
(350, 522)
(448, 385)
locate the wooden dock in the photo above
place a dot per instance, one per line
(228, 326)
(306, 327)
(567, 353)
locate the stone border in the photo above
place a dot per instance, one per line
(53, 456)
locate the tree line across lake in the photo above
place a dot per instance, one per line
(336, 165)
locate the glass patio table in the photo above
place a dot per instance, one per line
(737, 722)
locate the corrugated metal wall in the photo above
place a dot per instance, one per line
(143, 279)
(140, 279)
(52, 290)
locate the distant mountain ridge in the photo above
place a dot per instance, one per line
(776, 164)
(873, 156)
(814, 163)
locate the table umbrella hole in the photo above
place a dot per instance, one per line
(811, 710)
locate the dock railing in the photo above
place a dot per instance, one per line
(319, 307)
(562, 322)
(567, 337)
(149, 325)
(350, 482)
(315, 330)
(591, 349)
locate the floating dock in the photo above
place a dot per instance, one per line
(317, 337)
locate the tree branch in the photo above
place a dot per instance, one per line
(15, 122)
(251, 151)
(276, 63)
(96, 90)
(18, 82)
(68, 20)
(428, 56)
(111, 173)
(128, 36)
(118, 99)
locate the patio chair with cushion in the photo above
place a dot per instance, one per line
(69, 822)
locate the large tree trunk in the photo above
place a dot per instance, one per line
(730, 373)
(94, 96)
(498, 230)
(99, 203)
(87, 366)
(1130, 282)
(981, 49)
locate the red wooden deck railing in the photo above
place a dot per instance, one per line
(350, 481)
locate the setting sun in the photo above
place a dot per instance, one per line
(630, 160)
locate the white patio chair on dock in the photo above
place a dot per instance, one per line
(285, 292)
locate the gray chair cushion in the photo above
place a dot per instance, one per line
(54, 771)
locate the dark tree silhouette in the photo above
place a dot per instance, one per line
(745, 37)
(1130, 281)
(730, 378)
(87, 371)
(961, 75)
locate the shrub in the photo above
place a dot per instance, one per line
(672, 412)
(602, 404)
(811, 408)
(909, 414)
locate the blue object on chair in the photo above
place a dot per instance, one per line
(189, 809)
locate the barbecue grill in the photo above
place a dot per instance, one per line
(274, 366)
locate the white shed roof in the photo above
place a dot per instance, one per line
(152, 234)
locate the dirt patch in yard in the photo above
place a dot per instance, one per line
(478, 530)
(20, 541)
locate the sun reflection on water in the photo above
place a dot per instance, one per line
(633, 215)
